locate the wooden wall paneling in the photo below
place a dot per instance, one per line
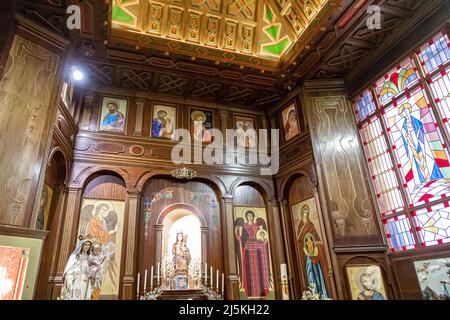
(38, 56)
(140, 105)
(339, 161)
(130, 121)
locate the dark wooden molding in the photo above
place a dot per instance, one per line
(23, 232)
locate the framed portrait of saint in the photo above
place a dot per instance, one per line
(366, 282)
(290, 122)
(44, 208)
(434, 278)
(245, 131)
(113, 115)
(163, 121)
(201, 124)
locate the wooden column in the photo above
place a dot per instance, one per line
(128, 284)
(158, 245)
(139, 117)
(277, 244)
(294, 290)
(224, 123)
(69, 234)
(204, 243)
(85, 120)
(232, 287)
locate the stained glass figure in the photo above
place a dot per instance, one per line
(396, 81)
(418, 148)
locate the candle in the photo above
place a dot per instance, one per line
(164, 270)
(211, 275)
(283, 271)
(151, 278)
(158, 274)
(138, 280)
(223, 283)
(206, 274)
(217, 279)
(145, 281)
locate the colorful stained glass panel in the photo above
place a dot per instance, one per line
(433, 224)
(364, 105)
(399, 234)
(381, 169)
(396, 81)
(418, 148)
(435, 53)
(440, 89)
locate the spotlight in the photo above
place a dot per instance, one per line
(77, 75)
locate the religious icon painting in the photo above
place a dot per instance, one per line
(434, 278)
(44, 208)
(164, 121)
(245, 131)
(291, 125)
(253, 254)
(366, 282)
(201, 124)
(13, 267)
(102, 222)
(113, 115)
(310, 246)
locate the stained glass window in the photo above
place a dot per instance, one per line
(400, 122)
(380, 165)
(396, 81)
(440, 87)
(399, 233)
(435, 53)
(364, 105)
(433, 224)
(418, 147)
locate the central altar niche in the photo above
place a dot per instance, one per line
(181, 250)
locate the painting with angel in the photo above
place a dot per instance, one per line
(102, 221)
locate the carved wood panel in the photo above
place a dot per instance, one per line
(25, 94)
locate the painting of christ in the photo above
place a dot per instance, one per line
(253, 253)
(201, 123)
(366, 282)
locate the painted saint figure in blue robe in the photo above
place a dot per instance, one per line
(312, 252)
(162, 125)
(367, 281)
(114, 121)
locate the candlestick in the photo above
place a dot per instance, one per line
(158, 275)
(211, 275)
(151, 278)
(223, 283)
(138, 283)
(145, 281)
(217, 280)
(283, 271)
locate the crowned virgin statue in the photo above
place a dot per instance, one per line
(181, 255)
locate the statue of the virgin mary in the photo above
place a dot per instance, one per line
(181, 255)
(76, 282)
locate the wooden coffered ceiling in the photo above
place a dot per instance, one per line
(128, 47)
(256, 33)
